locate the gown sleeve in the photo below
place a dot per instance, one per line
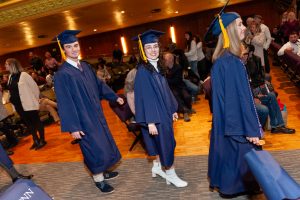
(240, 114)
(66, 107)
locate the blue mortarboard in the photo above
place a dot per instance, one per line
(220, 22)
(67, 36)
(150, 36)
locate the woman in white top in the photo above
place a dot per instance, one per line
(191, 52)
(24, 95)
(203, 71)
(257, 40)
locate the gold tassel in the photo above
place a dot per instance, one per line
(142, 53)
(225, 35)
(63, 55)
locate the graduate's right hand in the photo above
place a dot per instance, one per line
(254, 140)
(77, 134)
(152, 129)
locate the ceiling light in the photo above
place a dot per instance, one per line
(176, 11)
(95, 30)
(122, 11)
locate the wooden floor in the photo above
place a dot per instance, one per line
(192, 137)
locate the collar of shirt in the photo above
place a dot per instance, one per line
(154, 63)
(73, 63)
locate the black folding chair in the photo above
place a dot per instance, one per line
(124, 113)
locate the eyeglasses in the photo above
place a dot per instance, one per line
(151, 48)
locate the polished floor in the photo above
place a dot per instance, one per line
(192, 137)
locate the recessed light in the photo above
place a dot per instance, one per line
(95, 30)
(122, 11)
(176, 11)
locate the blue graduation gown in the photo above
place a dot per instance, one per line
(234, 118)
(154, 103)
(4, 159)
(78, 98)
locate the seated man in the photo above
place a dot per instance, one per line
(263, 93)
(292, 45)
(178, 87)
(7, 164)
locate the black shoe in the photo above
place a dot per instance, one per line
(76, 141)
(110, 175)
(33, 146)
(41, 145)
(283, 129)
(9, 153)
(104, 187)
(186, 117)
(21, 176)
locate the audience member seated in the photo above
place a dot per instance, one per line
(38, 79)
(5, 126)
(102, 72)
(263, 94)
(290, 25)
(191, 80)
(35, 62)
(171, 45)
(132, 60)
(129, 89)
(50, 79)
(50, 62)
(177, 86)
(277, 35)
(50, 106)
(292, 45)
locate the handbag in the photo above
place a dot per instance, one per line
(24, 189)
(276, 183)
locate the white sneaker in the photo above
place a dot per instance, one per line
(156, 170)
(171, 177)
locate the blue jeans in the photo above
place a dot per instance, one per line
(194, 67)
(191, 87)
(262, 112)
(270, 101)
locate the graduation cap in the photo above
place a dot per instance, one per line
(150, 36)
(220, 22)
(66, 37)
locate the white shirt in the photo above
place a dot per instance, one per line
(192, 53)
(200, 54)
(73, 63)
(267, 33)
(154, 63)
(294, 46)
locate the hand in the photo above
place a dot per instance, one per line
(152, 129)
(257, 101)
(120, 101)
(77, 134)
(289, 49)
(175, 116)
(254, 140)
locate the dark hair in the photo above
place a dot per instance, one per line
(293, 33)
(189, 41)
(197, 39)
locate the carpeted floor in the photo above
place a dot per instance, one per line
(71, 181)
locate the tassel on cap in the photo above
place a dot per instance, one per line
(225, 34)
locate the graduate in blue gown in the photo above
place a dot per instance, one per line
(155, 108)
(235, 128)
(78, 92)
(7, 164)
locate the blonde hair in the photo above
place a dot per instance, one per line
(129, 81)
(15, 66)
(235, 42)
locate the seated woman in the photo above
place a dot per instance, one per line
(129, 89)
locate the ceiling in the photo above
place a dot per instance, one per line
(31, 23)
